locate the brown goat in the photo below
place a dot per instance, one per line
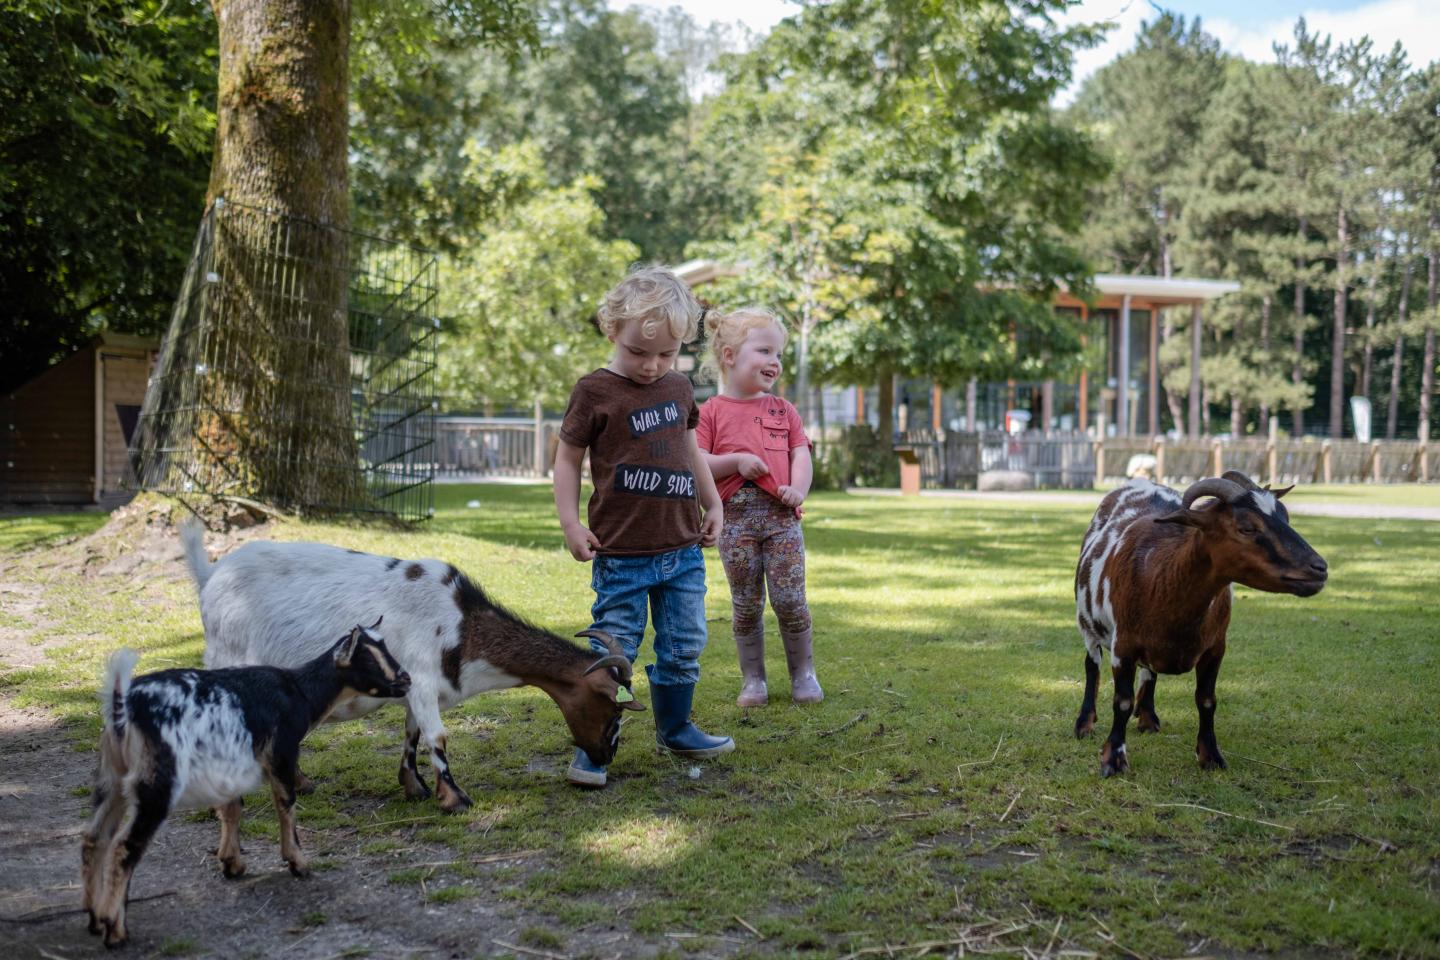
(1154, 586)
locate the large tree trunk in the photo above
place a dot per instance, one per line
(1265, 307)
(1427, 363)
(1392, 410)
(279, 183)
(1337, 343)
(1297, 365)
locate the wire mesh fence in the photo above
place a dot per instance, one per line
(298, 370)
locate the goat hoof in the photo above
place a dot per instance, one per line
(455, 803)
(1084, 727)
(115, 935)
(1210, 760)
(1147, 723)
(233, 869)
(304, 784)
(415, 788)
(1113, 761)
(299, 870)
(95, 927)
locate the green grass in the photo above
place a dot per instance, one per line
(939, 783)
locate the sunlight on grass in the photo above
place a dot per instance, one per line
(644, 842)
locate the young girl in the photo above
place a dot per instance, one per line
(756, 447)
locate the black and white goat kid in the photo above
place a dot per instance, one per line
(189, 739)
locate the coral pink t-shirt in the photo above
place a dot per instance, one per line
(766, 426)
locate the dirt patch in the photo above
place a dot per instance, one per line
(180, 904)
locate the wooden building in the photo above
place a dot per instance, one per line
(64, 435)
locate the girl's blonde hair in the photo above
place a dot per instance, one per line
(657, 298)
(730, 330)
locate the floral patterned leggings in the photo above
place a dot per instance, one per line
(761, 542)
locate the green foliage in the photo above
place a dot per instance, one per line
(912, 207)
(104, 152)
(518, 296)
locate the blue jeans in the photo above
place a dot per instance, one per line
(671, 587)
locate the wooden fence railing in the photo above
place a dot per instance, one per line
(1075, 460)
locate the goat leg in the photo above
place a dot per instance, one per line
(415, 788)
(284, 797)
(1207, 751)
(229, 853)
(452, 798)
(1146, 719)
(1112, 754)
(1085, 723)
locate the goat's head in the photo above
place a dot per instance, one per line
(601, 699)
(1249, 535)
(366, 666)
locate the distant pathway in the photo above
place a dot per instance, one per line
(1320, 508)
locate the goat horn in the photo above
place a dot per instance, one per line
(1235, 476)
(616, 657)
(611, 660)
(1218, 487)
(376, 623)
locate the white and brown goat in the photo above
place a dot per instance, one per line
(263, 602)
(188, 739)
(1154, 587)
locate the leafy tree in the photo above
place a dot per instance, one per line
(519, 295)
(934, 119)
(104, 148)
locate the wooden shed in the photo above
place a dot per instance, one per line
(64, 435)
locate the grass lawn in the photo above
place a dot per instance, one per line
(938, 784)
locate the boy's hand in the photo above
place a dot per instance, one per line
(751, 467)
(581, 541)
(791, 497)
(710, 527)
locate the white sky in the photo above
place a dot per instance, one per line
(1246, 27)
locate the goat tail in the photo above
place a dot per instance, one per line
(116, 690)
(192, 537)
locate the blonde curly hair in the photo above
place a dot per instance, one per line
(730, 330)
(657, 298)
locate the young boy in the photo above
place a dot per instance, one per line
(637, 418)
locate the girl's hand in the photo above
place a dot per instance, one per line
(581, 541)
(751, 467)
(791, 497)
(710, 527)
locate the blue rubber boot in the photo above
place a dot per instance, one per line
(583, 773)
(673, 729)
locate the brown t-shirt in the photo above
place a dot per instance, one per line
(645, 498)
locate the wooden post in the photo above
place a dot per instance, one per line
(1272, 458)
(1326, 464)
(860, 416)
(1152, 399)
(1376, 473)
(1099, 450)
(1424, 463)
(935, 399)
(1217, 457)
(1196, 428)
(1123, 426)
(1159, 458)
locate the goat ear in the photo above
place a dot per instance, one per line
(345, 650)
(1181, 517)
